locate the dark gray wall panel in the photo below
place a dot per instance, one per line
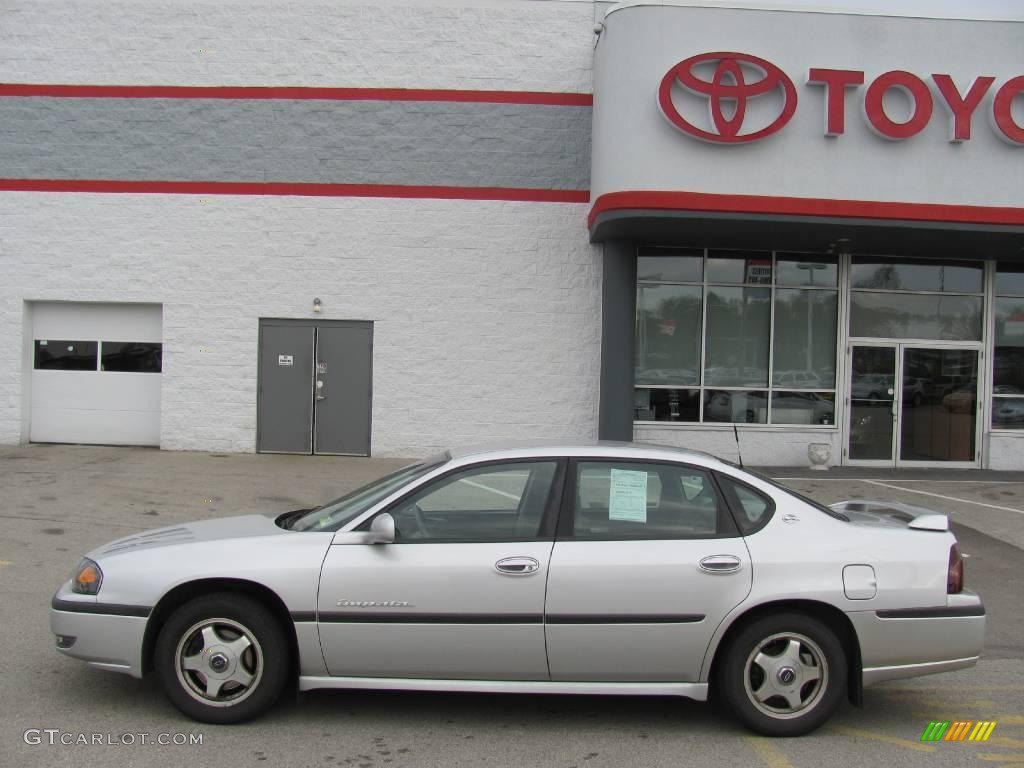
(339, 142)
(618, 318)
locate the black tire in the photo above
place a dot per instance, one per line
(227, 630)
(764, 701)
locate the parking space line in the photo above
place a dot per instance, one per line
(943, 496)
(931, 700)
(946, 710)
(768, 752)
(945, 688)
(1002, 741)
(894, 740)
(994, 757)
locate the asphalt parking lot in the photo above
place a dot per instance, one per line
(60, 501)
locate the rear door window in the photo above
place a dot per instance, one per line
(635, 500)
(751, 508)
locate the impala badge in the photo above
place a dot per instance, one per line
(374, 604)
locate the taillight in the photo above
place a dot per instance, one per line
(955, 574)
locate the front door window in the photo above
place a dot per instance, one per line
(503, 502)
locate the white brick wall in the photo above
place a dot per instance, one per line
(542, 46)
(487, 313)
(1005, 450)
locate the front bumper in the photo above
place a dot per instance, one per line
(920, 641)
(105, 636)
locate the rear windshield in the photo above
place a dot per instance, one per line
(334, 515)
(816, 504)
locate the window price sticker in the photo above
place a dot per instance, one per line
(627, 496)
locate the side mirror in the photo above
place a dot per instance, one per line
(382, 529)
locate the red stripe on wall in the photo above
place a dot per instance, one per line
(805, 206)
(294, 93)
(295, 189)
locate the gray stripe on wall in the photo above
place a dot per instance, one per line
(338, 142)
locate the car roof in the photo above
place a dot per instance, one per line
(592, 448)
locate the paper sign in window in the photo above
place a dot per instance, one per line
(627, 496)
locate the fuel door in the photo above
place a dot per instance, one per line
(859, 582)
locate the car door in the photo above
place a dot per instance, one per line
(460, 592)
(647, 563)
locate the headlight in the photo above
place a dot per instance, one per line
(87, 579)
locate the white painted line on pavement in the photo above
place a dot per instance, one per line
(768, 752)
(894, 740)
(942, 496)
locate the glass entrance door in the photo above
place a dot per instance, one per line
(913, 405)
(939, 399)
(872, 404)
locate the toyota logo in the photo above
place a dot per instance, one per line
(728, 87)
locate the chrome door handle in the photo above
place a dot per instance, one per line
(517, 566)
(720, 564)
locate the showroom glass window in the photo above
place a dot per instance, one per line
(1008, 352)
(897, 298)
(735, 336)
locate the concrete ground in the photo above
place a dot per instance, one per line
(57, 502)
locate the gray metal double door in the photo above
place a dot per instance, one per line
(315, 387)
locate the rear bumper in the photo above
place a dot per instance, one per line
(103, 638)
(896, 644)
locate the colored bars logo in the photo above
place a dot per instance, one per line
(958, 730)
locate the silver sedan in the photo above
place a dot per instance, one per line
(582, 569)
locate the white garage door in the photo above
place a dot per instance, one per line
(96, 372)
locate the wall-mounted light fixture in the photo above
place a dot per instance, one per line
(317, 305)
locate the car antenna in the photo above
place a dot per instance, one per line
(736, 434)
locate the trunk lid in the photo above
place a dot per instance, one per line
(891, 514)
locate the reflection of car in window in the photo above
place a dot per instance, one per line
(870, 386)
(798, 380)
(960, 400)
(915, 390)
(1008, 412)
(739, 407)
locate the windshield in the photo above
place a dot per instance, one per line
(332, 516)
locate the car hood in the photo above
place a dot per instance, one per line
(219, 529)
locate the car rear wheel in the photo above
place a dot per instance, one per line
(783, 675)
(222, 658)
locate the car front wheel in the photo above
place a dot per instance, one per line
(222, 658)
(783, 675)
